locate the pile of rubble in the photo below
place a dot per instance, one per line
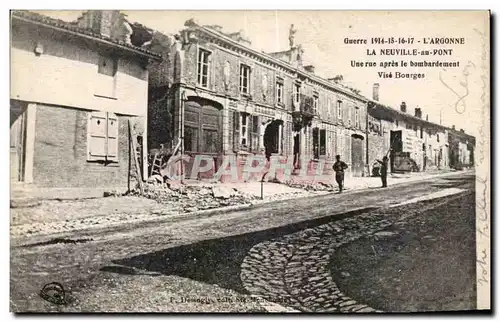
(310, 186)
(190, 198)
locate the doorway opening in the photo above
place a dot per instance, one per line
(272, 138)
(17, 140)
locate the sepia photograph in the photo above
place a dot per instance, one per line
(244, 161)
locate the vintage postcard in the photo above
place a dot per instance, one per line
(250, 161)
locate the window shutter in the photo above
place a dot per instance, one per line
(315, 134)
(236, 131)
(97, 136)
(255, 125)
(112, 146)
(322, 142)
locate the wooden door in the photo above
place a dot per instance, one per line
(17, 121)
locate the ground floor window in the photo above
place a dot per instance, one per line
(319, 142)
(246, 131)
(102, 137)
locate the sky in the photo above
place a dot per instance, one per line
(451, 96)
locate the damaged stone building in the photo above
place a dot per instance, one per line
(411, 142)
(74, 88)
(214, 95)
(461, 151)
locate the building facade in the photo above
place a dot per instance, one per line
(221, 98)
(461, 152)
(411, 142)
(74, 88)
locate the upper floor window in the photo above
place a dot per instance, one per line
(279, 91)
(421, 133)
(203, 67)
(437, 137)
(316, 103)
(245, 79)
(296, 92)
(356, 117)
(339, 109)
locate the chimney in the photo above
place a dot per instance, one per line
(427, 117)
(376, 87)
(462, 130)
(103, 22)
(309, 69)
(453, 127)
(403, 107)
(418, 112)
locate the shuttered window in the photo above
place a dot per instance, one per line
(315, 133)
(339, 110)
(236, 131)
(255, 125)
(103, 137)
(322, 142)
(246, 132)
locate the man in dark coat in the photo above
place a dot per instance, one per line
(339, 167)
(383, 171)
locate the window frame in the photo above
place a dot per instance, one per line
(199, 67)
(107, 157)
(322, 142)
(357, 123)
(339, 109)
(316, 103)
(297, 89)
(246, 117)
(244, 67)
(315, 142)
(280, 91)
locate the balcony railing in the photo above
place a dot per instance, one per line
(305, 106)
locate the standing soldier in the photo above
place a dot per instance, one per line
(383, 171)
(339, 167)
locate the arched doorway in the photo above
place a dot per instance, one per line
(203, 131)
(272, 138)
(202, 126)
(357, 162)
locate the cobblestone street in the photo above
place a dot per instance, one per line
(278, 253)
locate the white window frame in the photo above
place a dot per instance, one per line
(297, 89)
(106, 116)
(199, 67)
(280, 88)
(244, 116)
(243, 68)
(339, 109)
